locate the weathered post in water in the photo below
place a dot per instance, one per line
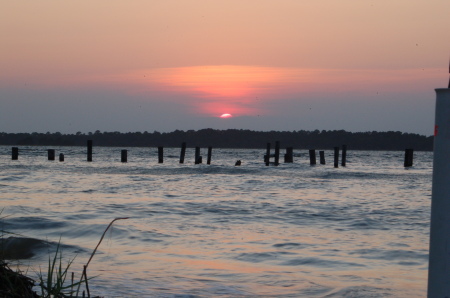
(277, 153)
(124, 156)
(15, 153)
(198, 158)
(208, 161)
(89, 150)
(61, 157)
(344, 155)
(51, 154)
(439, 255)
(183, 152)
(312, 157)
(288, 157)
(336, 157)
(322, 157)
(409, 156)
(267, 156)
(160, 154)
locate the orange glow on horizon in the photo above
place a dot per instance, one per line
(233, 88)
(226, 116)
(246, 90)
(220, 81)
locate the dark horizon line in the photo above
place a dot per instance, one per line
(218, 129)
(229, 138)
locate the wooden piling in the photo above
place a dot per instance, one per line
(160, 154)
(198, 158)
(409, 156)
(183, 152)
(344, 155)
(15, 153)
(238, 162)
(208, 161)
(61, 157)
(267, 156)
(322, 157)
(288, 157)
(89, 150)
(51, 154)
(277, 153)
(312, 156)
(124, 156)
(336, 157)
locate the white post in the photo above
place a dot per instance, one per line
(439, 260)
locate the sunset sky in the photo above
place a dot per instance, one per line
(161, 65)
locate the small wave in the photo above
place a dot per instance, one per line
(361, 291)
(391, 255)
(33, 223)
(353, 175)
(13, 178)
(260, 257)
(369, 224)
(287, 245)
(314, 290)
(409, 263)
(316, 262)
(16, 248)
(20, 248)
(227, 211)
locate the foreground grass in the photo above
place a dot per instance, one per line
(14, 283)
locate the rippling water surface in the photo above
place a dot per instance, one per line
(223, 231)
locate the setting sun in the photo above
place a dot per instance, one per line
(226, 116)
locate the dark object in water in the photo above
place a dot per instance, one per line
(312, 157)
(160, 154)
(336, 157)
(277, 153)
(51, 154)
(409, 157)
(198, 157)
(183, 151)
(288, 157)
(322, 157)
(124, 155)
(238, 163)
(208, 160)
(89, 150)
(15, 153)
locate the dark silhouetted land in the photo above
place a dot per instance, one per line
(231, 138)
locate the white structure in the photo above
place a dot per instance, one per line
(439, 261)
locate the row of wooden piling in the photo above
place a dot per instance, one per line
(288, 157)
(124, 154)
(197, 160)
(50, 154)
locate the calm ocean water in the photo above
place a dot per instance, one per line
(223, 231)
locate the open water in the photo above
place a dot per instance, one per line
(223, 231)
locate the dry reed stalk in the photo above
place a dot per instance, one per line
(92, 255)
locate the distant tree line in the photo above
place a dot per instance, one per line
(230, 138)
